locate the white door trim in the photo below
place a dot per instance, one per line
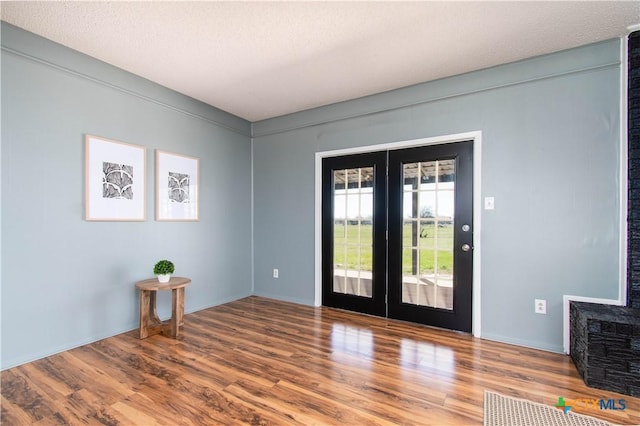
(476, 137)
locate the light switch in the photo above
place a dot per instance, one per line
(489, 203)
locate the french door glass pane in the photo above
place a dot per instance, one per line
(352, 231)
(427, 233)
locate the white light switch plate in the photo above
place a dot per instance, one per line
(489, 203)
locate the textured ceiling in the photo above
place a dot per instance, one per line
(264, 59)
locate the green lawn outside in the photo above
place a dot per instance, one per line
(357, 253)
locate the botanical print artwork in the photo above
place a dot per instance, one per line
(178, 187)
(117, 181)
(177, 179)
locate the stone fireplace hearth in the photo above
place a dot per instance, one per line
(605, 346)
(605, 339)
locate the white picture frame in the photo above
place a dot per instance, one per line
(115, 174)
(177, 182)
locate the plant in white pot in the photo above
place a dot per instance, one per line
(163, 270)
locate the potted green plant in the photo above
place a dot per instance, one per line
(163, 270)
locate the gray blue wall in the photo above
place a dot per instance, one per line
(65, 281)
(550, 156)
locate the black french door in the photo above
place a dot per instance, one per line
(430, 235)
(397, 234)
(354, 216)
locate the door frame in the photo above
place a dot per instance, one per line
(476, 137)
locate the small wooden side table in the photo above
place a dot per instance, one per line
(150, 324)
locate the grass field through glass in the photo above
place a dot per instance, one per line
(353, 248)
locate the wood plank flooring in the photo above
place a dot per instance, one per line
(264, 362)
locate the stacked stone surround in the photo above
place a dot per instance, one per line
(633, 220)
(605, 346)
(605, 339)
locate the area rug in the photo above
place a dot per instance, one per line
(500, 410)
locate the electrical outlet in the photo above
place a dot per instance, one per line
(541, 306)
(276, 273)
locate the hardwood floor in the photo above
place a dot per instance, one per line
(264, 362)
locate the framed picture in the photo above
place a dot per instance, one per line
(176, 187)
(115, 174)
